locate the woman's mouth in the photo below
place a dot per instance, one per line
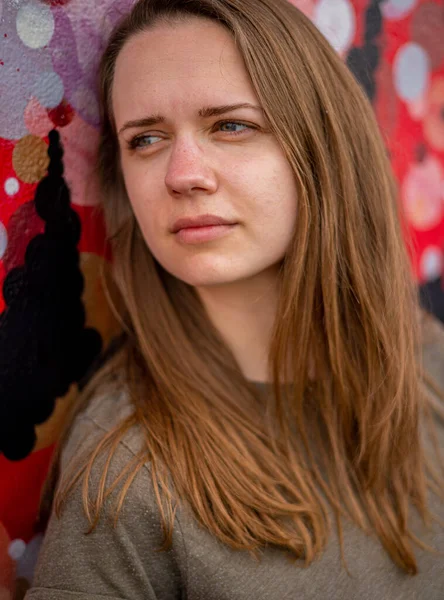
(205, 233)
(202, 228)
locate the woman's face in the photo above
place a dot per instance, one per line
(195, 147)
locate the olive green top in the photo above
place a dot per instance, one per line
(124, 561)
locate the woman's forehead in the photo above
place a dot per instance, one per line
(180, 67)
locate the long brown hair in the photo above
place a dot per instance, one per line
(347, 300)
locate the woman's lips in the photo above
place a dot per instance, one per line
(206, 233)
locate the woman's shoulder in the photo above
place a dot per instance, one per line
(108, 405)
(106, 409)
(120, 556)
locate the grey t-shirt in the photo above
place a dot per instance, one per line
(125, 561)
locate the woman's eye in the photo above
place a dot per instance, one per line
(233, 127)
(143, 141)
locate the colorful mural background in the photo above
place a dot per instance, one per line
(49, 51)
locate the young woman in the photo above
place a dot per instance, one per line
(267, 406)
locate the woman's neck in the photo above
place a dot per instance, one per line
(244, 312)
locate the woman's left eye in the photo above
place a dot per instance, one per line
(142, 141)
(233, 127)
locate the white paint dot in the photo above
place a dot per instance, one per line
(48, 89)
(397, 9)
(16, 549)
(431, 263)
(411, 69)
(337, 21)
(12, 186)
(35, 24)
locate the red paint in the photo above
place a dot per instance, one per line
(23, 481)
(62, 115)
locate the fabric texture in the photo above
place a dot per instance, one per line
(124, 561)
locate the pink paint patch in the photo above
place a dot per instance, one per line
(80, 142)
(36, 119)
(422, 194)
(433, 120)
(305, 6)
(418, 108)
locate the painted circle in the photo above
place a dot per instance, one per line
(3, 240)
(62, 115)
(418, 108)
(12, 186)
(36, 119)
(35, 24)
(337, 21)
(411, 71)
(433, 122)
(30, 158)
(305, 6)
(431, 263)
(49, 89)
(397, 9)
(16, 549)
(421, 193)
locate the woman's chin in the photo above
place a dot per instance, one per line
(200, 271)
(206, 279)
(206, 273)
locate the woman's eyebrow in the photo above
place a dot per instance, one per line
(204, 113)
(143, 122)
(215, 111)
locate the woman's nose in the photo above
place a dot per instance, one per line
(188, 171)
